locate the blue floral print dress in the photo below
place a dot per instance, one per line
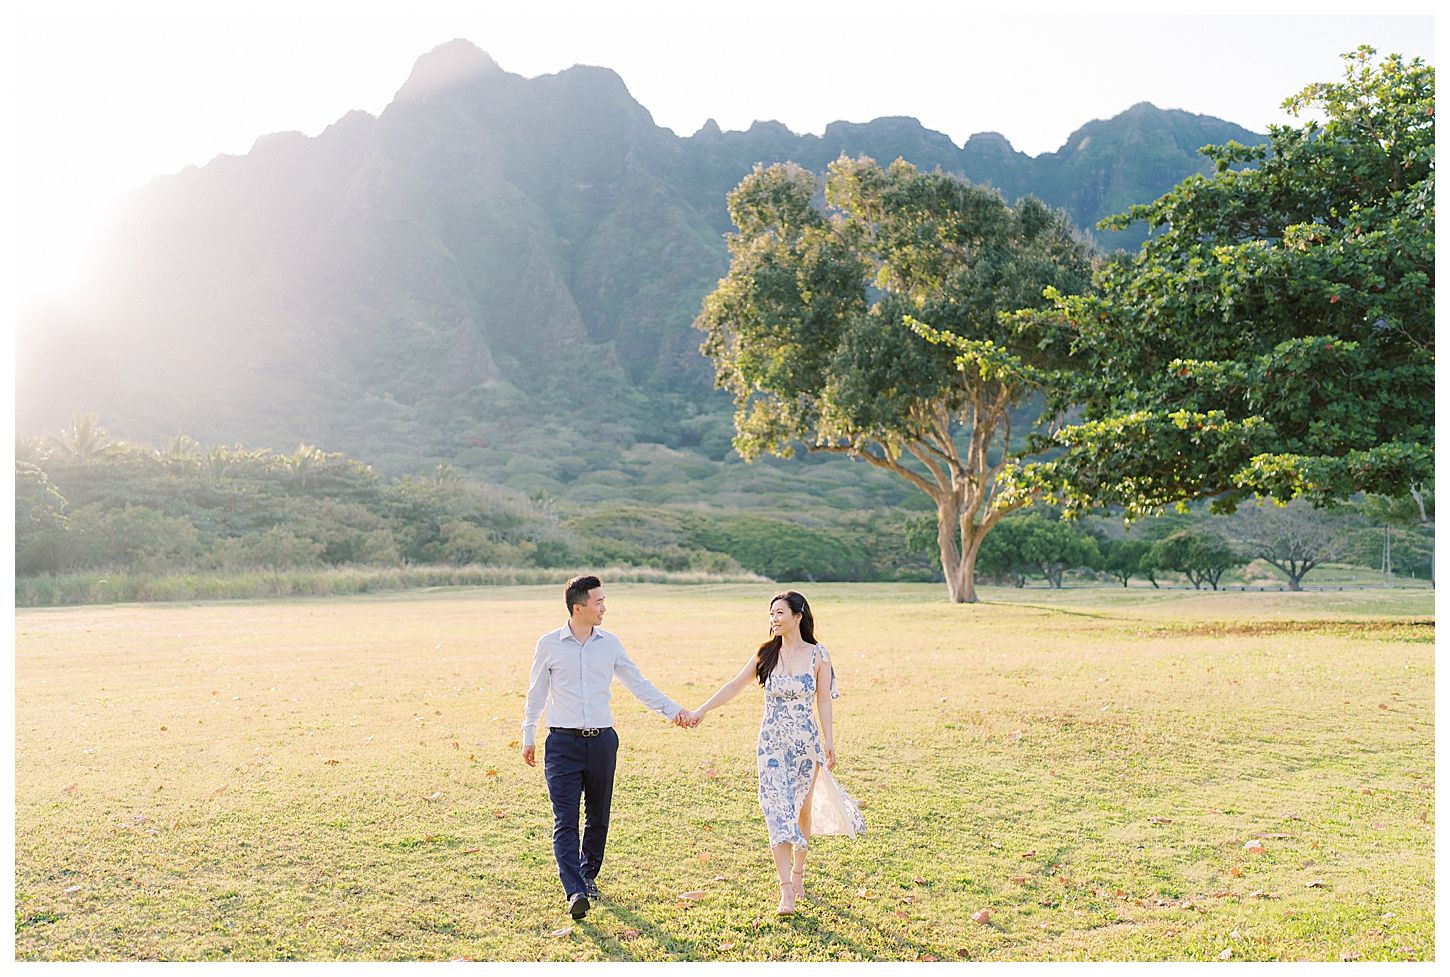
(790, 758)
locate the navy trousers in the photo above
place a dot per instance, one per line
(575, 766)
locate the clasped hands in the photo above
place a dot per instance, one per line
(688, 719)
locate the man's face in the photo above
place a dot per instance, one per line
(592, 611)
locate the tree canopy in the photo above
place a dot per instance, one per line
(876, 330)
(1275, 335)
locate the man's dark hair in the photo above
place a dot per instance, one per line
(576, 591)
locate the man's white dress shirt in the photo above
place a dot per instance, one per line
(571, 680)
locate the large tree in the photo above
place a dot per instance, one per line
(1275, 335)
(875, 327)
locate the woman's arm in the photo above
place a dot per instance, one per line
(823, 706)
(728, 691)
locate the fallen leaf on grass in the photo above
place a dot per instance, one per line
(498, 814)
(1314, 884)
(1029, 854)
(468, 851)
(704, 858)
(331, 763)
(907, 899)
(220, 789)
(70, 786)
(694, 895)
(492, 772)
(1256, 894)
(1377, 826)
(163, 729)
(1349, 954)
(725, 946)
(1254, 848)
(628, 935)
(513, 744)
(963, 952)
(919, 880)
(982, 916)
(865, 893)
(902, 915)
(434, 796)
(720, 878)
(1226, 954)
(1170, 932)
(73, 889)
(711, 773)
(1156, 820)
(1225, 894)
(562, 932)
(1236, 872)
(1383, 706)
(928, 958)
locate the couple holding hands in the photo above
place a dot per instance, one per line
(570, 677)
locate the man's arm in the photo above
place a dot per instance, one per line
(534, 700)
(642, 688)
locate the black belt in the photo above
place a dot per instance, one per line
(574, 732)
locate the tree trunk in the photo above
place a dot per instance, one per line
(959, 545)
(956, 568)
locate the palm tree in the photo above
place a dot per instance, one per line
(30, 448)
(83, 440)
(179, 448)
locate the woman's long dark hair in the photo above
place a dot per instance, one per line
(768, 654)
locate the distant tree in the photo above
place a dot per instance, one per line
(40, 523)
(1295, 537)
(1413, 510)
(1199, 556)
(1123, 558)
(1275, 335)
(876, 330)
(1033, 543)
(83, 439)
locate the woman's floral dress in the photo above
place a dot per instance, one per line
(789, 758)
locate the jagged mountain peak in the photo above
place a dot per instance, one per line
(447, 66)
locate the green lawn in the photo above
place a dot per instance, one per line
(333, 778)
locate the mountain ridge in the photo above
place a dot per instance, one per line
(491, 264)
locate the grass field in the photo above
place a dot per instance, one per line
(333, 778)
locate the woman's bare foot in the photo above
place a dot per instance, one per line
(798, 882)
(787, 901)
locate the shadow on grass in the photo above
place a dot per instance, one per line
(814, 919)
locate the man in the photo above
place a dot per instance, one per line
(572, 669)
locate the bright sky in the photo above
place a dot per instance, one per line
(104, 103)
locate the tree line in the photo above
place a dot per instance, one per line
(85, 501)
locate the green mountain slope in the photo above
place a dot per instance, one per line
(496, 271)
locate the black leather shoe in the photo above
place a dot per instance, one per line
(578, 905)
(591, 889)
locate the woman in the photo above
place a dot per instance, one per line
(793, 758)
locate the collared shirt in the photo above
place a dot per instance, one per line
(572, 681)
